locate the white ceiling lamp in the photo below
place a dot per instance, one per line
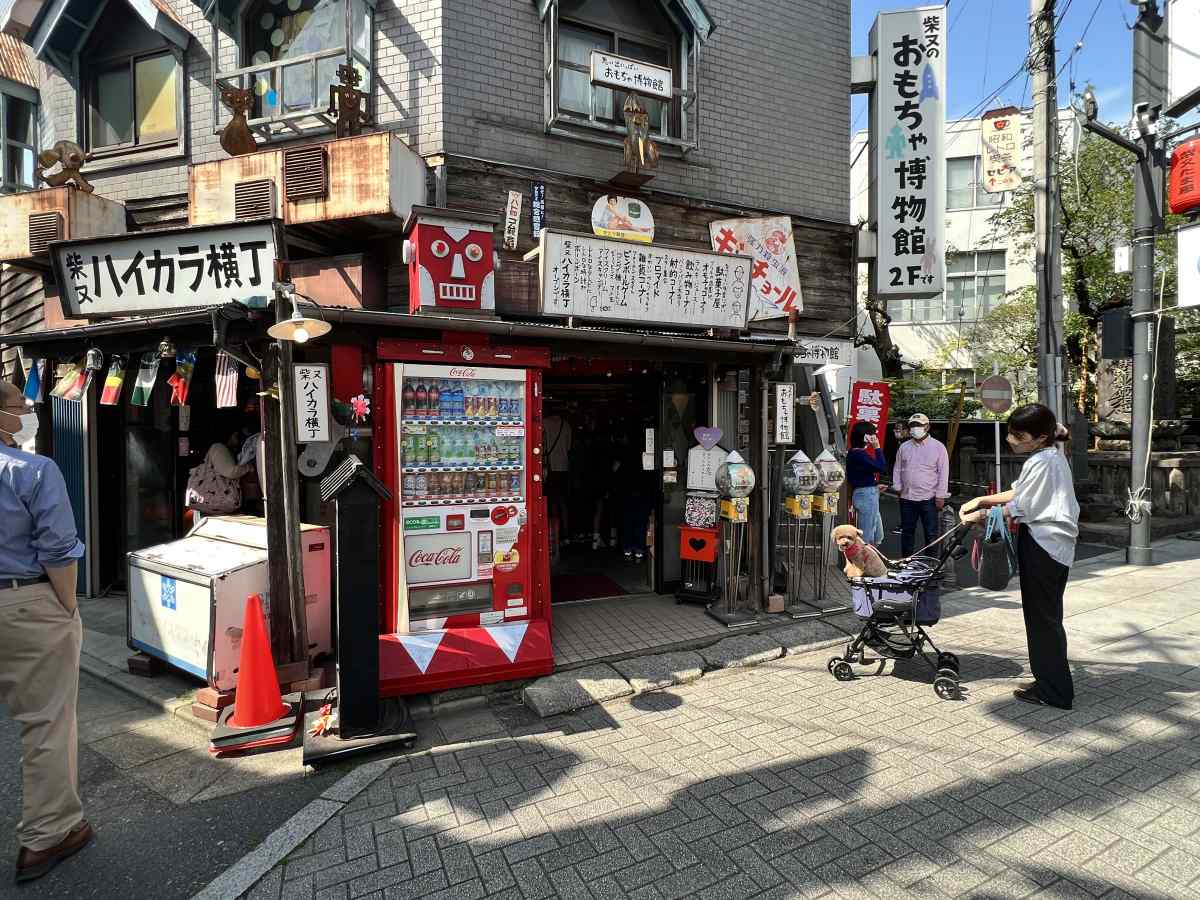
(297, 327)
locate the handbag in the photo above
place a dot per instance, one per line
(210, 492)
(994, 556)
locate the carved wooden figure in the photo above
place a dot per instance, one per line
(236, 137)
(640, 151)
(348, 104)
(70, 157)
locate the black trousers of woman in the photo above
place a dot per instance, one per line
(1043, 580)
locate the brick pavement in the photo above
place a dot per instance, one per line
(778, 781)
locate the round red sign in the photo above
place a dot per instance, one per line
(996, 394)
(499, 515)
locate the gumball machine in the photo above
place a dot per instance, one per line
(801, 479)
(735, 481)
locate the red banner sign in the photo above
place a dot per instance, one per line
(869, 401)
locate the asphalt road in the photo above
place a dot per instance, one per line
(146, 846)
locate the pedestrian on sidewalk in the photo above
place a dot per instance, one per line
(865, 464)
(921, 477)
(1042, 500)
(40, 639)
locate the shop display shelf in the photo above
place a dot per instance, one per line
(421, 470)
(461, 501)
(470, 423)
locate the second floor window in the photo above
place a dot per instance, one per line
(974, 283)
(575, 45)
(19, 118)
(964, 187)
(133, 86)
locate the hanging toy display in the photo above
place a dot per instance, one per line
(832, 474)
(735, 481)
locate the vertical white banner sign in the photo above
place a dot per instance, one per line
(312, 402)
(785, 412)
(910, 164)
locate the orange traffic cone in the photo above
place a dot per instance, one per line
(258, 717)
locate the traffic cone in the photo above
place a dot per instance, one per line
(258, 717)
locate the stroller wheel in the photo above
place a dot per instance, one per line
(843, 671)
(946, 688)
(945, 671)
(833, 661)
(948, 661)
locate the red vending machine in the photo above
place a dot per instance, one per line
(465, 562)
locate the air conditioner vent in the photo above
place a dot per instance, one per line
(305, 173)
(254, 199)
(44, 227)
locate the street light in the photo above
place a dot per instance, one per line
(296, 327)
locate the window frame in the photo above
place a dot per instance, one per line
(681, 120)
(977, 274)
(95, 66)
(977, 189)
(294, 124)
(7, 94)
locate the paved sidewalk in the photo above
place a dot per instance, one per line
(777, 781)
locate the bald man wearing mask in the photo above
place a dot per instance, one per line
(40, 640)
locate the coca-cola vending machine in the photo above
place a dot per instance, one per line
(466, 567)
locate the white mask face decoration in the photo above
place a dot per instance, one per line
(918, 432)
(28, 429)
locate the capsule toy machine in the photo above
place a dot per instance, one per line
(465, 567)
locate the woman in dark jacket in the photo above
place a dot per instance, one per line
(865, 464)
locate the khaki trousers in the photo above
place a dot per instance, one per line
(39, 682)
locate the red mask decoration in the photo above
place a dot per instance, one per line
(450, 263)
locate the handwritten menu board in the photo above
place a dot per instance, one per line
(621, 281)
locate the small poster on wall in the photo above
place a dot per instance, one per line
(775, 279)
(622, 218)
(312, 402)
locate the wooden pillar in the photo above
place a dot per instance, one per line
(273, 506)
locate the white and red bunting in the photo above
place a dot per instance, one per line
(449, 652)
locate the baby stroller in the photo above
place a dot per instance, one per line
(896, 608)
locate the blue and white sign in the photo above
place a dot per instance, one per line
(908, 151)
(168, 593)
(1188, 246)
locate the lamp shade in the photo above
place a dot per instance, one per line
(298, 328)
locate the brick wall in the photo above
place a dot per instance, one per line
(774, 85)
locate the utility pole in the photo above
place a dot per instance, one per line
(1149, 93)
(1045, 205)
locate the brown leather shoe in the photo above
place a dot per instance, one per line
(33, 864)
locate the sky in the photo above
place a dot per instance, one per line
(988, 41)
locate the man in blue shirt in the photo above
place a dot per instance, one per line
(40, 639)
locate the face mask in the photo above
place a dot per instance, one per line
(28, 429)
(1023, 446)
(918, 432)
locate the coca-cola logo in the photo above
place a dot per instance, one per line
(446, 556)
(461, 372)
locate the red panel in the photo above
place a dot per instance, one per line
(346, 367)
(384, 453)
(449, 354)
(698, 544)
(1183, 191)
(466, 656)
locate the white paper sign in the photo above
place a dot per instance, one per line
(312, 402)
(1001, 135)
(625, 74)
(785, 413)
(910, 164)
(648, 462)
(155, 272)
(824, 350)
(702, 467)
(1189, 265)
(621, 281)
(649, 440)
(1183, 54)
(668, 459)
(512, 220)
(774, 276)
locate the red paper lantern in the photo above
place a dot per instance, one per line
(1183, 194)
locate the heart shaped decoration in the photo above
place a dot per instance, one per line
(708, 437)
(697, 544)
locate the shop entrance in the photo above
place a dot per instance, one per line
(609, 426)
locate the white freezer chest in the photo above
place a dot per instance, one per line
(187, 598)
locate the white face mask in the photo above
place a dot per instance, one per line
(28, 429)
(917, 432)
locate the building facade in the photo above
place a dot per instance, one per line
(984, 263)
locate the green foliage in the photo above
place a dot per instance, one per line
(921, 392)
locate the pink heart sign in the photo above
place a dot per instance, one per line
(708, 437)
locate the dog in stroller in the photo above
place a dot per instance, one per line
(896, 609)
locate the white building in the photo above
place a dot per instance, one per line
(981, 266)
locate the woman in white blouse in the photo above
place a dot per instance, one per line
(1042, 500)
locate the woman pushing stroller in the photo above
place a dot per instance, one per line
(1042, 500)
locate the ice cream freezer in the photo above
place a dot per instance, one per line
(187, 598)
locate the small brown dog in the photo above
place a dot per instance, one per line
(861, 558)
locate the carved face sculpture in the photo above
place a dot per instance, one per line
(451, 266)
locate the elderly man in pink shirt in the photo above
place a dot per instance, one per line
(922, 479)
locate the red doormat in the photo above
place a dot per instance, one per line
(564, 588)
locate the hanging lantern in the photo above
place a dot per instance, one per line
(1183, 193)
(800, 476)
(734, 477)
(831, 472)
